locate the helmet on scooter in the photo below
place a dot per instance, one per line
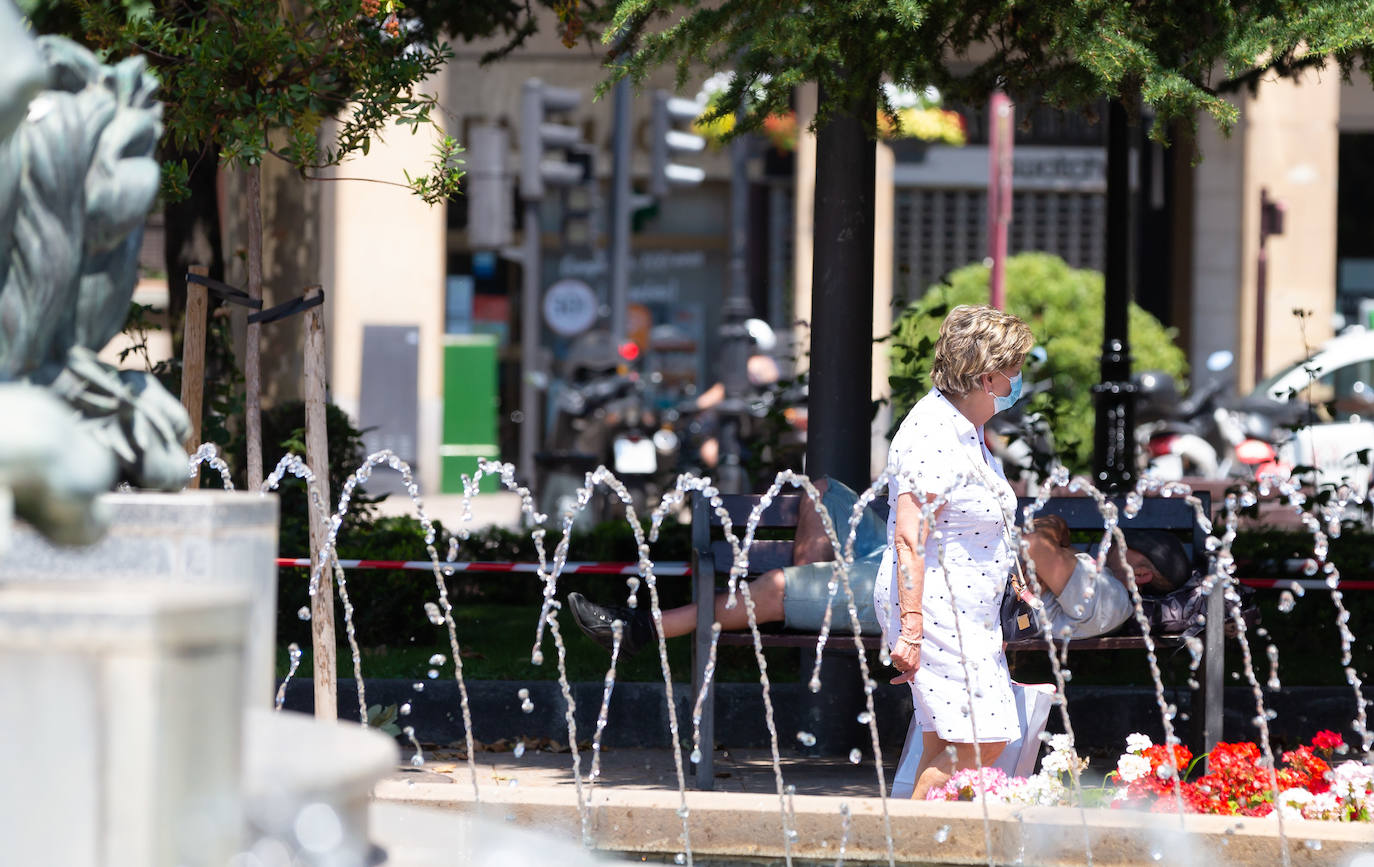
(592, 354)
(1156, 395)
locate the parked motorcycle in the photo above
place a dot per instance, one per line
(602, 416)
(1210, 434)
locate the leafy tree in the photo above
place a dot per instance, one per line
(1177, 56)
(1063, 307)
(244, 79)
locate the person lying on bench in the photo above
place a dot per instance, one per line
(1087, 602)
(797, 595)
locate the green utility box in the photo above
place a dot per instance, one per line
(470, 407)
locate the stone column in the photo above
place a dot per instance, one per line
(122, 740)
(201, 537)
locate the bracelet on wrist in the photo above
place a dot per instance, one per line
(910, 640)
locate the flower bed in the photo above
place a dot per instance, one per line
(1155, 777)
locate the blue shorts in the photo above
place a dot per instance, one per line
(806, 588)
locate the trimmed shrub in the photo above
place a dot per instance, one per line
(1064, 308)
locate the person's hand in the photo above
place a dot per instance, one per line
(906, 658)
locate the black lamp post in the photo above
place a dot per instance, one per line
(1114, 457)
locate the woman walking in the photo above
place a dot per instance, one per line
(939, 587)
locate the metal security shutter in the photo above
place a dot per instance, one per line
(939, 230)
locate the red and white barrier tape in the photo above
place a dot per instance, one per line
(665, 568)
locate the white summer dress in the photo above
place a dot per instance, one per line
(934, 446)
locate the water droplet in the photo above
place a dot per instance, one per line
(304, 613)
(806, 738)
(696, 756)
(417, 686)
(434, 614)
(417, 760)
(1309, 567)
(1286, 602)
(519, 749)
(432, 673)
(537, 658)
(522, 693)
(942, 834)
(527, 706)
(438, 659)
(1156, 855)
(405, 709)
(855, 756)
(864, 718)
(683, 812)
(1314, 845)
(679, 858)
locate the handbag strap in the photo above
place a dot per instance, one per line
(1019, 585)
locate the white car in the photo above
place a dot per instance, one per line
(1331, 400)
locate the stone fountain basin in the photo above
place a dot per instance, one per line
(725, 825)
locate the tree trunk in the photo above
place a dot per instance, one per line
(192, 235)
(252, 360)
(842, 298)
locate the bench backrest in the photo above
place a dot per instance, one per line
(1080, 513)
(1172, 514)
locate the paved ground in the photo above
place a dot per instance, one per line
(746, 771)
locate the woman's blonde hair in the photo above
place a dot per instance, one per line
(975, 340)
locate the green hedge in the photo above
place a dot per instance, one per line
(391, 602)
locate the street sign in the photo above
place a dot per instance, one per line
(570, 307)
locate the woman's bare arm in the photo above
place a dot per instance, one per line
(909, 539)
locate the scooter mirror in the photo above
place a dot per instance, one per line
(1220, 360)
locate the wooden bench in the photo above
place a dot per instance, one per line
(713, 558)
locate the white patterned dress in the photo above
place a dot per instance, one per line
(935, 445)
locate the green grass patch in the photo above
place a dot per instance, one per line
(496, 640)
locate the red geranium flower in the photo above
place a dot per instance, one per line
(1327, 740)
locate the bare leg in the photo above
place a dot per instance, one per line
(811, 544)
(937, 765)
(765, 590)
(1053, 565)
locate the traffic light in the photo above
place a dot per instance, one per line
(581, 202)
(537, 134)
(667, 141)
(489, 198)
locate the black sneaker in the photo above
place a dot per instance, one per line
(595, 620)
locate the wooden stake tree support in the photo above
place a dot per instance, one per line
(193, 360)
(317, 456)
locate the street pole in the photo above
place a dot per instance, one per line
(734, 350)
(1001, 140)
(1271, 223)
(531, 265)
(1114, 459)
(620, 209)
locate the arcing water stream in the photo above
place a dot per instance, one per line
(1220, 576)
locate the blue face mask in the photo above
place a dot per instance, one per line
(1002, 404)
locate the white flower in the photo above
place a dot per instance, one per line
(1323, 806)
(1351, 780)
(1138, 743)
(1292, 802)
(1038, 790)
(1132, 767)
(1061, 743)
(1055, 763)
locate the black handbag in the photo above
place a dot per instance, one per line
(1020, 610)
